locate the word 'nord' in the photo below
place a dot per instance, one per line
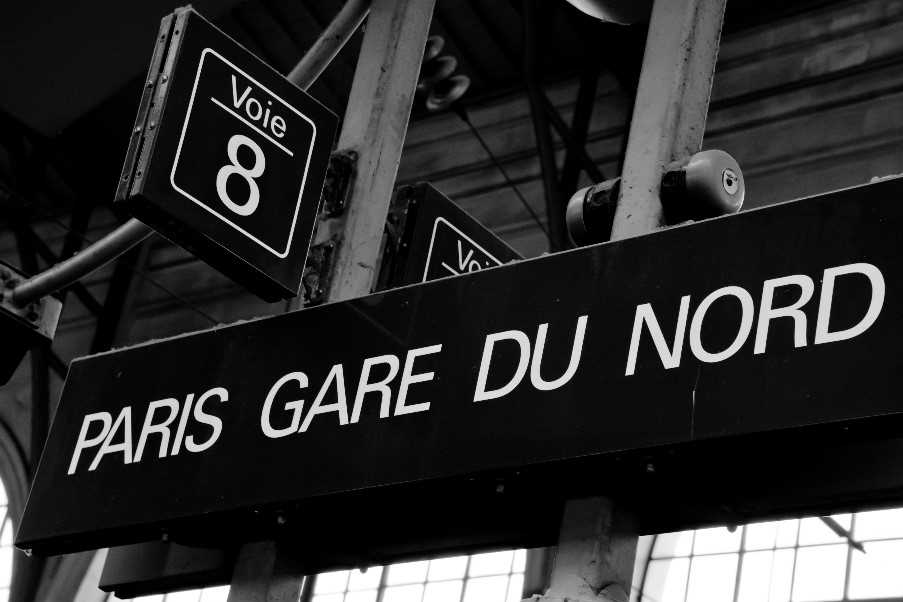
(671, 356)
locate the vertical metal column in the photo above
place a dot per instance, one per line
(671, 106)
(375, 125)
(597, 542)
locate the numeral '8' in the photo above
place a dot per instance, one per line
(247, 173)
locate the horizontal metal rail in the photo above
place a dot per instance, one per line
(123, 238)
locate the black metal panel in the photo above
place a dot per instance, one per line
(435, 238)
(232, 158)
(483, 464)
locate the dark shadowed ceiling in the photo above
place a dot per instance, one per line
(71, 71)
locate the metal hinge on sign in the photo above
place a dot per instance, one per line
(337, 187)
(334, 200)
(314, 282)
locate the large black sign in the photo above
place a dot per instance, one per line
(227, 157)
(778, 320)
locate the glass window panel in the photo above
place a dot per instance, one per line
(329, 598)
(493, 563)
(486, 589)
(755, 576)
(520, 561)
(877, 574)
(7, 538)
(328, 583)
(516, 588)
(403, 593)
(712, 578)
(4, 595)
(673, 544)
(6, 565)
(215, 594)
(3, 499)
(820, 572)
(155, 598)
(813, 530)
(879, 524)
(447, 568)
(666, 580)
(362, 596)
(443, 591)
(787, 531)
(407, 572)
(715, 540)
(187, 596)
(368, 579)
(761, 536)
(782, 575)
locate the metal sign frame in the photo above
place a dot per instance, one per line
(236, 180)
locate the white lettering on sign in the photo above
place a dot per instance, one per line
(331, 397)
(527, 359)
(166, 427)
(255, 110)
(115, 437)
(671, 357)
(466, 263)
(248, 174)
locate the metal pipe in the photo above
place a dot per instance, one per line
(330, 42)
(120, 240)
(92, 257)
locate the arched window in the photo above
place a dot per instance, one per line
(6, 545)
(795, 560)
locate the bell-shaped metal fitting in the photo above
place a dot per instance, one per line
(446, 92)
(434, 45)
(436, 70)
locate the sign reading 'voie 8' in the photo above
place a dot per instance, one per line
(263, 136)
(229, 157)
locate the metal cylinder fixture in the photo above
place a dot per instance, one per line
(708, 185)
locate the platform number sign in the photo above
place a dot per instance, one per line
(233, 166)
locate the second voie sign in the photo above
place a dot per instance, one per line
(734, 326)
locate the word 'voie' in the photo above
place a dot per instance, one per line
(256, 111)
(162, 430)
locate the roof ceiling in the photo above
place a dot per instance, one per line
(72, 70)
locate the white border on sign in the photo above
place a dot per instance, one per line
(429, 254)
(175, 164)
